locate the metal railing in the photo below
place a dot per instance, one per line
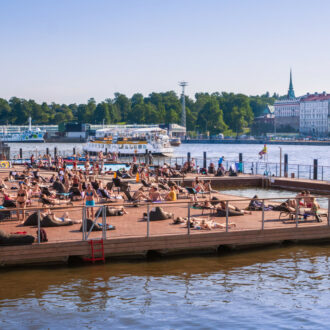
(101, 213)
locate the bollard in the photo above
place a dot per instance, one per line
(20, 153)
(188, 160)
(47, 151)
(148, 221)
(315, 169)
(204, 160)
(227, 214)
(55, 152)
(74, 151)
(286, 165)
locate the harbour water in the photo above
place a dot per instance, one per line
(297, 154)
(283, 288)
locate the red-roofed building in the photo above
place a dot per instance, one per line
(314, 114)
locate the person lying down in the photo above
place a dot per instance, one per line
(64, 218)
(202, 224)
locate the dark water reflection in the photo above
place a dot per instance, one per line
(270, 288)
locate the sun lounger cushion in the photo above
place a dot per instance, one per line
(14, 239)
(32, 220)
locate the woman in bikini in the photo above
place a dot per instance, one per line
(21, 201)
(90, 195)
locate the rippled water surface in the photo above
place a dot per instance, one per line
(284, 288)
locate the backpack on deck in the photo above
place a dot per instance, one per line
(43, 235)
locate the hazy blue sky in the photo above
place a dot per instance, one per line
(69, 51)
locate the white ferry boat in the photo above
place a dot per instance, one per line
(29, 135)
(130, 141)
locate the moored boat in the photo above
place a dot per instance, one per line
(130, 141)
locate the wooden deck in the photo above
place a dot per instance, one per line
(130, 237)
(138, 246)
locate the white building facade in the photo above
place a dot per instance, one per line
(314, 114)
(287, 111)
(287, 114)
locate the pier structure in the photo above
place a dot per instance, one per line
(136, 236)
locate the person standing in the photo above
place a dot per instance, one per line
(89, 198)
(21, 201)
(221, 159)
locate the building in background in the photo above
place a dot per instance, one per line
(314, 114)
(287, 112)
(265, 123)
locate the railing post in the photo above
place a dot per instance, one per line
(322, 172)
(38, 226)
(148, 220)
(104, 223)
(315, 169)
(83, 222)
(188, 222)
(263, 215)
(276, 169)
(298, 171)
(310, 171)
(227, 215)
(297, 209)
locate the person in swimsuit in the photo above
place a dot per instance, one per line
(89, 197)
(87, 166)
(21, 201)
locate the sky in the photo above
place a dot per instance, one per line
(67, 51)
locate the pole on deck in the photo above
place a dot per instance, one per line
(204, 160)
(315, 169)
(286, 167)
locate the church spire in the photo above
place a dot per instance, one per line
(291, 91)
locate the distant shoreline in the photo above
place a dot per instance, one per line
(257, 141)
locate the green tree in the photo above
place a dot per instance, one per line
(5, 111)
(210, 118)
(102, 113)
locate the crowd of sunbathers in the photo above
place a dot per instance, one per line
(69, 184)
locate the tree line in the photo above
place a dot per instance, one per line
(214, 113)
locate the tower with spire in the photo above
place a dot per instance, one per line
(291, 90)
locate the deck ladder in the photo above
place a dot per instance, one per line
(97, 250)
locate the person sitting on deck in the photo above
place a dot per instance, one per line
(154, 194)
(314, 210)
(308, 200)
(220, 171)
(58, 186)
(232, 170)
(171, 196)
(256, 205)
(211, 169)
(139, 195)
